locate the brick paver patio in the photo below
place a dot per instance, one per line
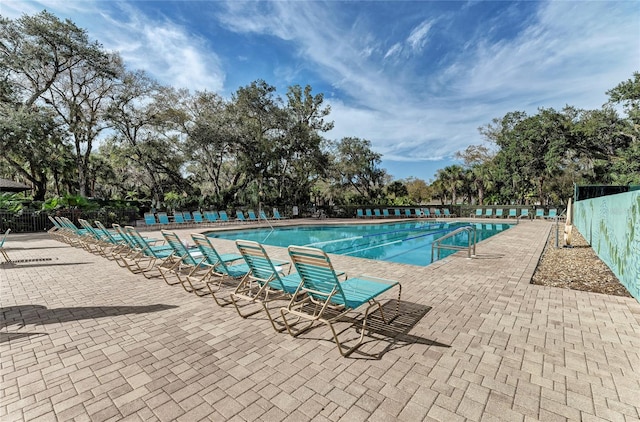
(83, 339)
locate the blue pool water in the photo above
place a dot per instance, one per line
(407, 242)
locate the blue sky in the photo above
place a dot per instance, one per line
(416, 78)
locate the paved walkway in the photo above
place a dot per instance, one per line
(83, 339)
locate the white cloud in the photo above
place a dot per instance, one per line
(555, 61)
(394, 50)
(166, 50)
(418, 37)
(574, 52)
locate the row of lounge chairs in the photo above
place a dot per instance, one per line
(249, 280)
(406, 213)
(513, 213)
(195, 218)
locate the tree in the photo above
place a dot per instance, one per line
(211, 144)
(626, 167)
(418, 190)
(53, 63)
(301, 160)
(29, 138)
(260, 121)
(532, 150)
(627, 93)
(397, 189)
(478, 158)
(452, 178)
(143, 115)
(356, 167)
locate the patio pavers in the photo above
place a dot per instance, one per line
(82, 338)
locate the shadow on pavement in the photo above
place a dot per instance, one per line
(23, 315)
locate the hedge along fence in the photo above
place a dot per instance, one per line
(611, 225)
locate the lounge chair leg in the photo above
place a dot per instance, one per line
(348, 351)
(235, 303)
(214, 292)
(289, 326)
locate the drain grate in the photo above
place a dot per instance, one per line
(19, 261)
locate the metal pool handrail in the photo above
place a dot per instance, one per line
(471, 247)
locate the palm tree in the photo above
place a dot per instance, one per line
(452, 178)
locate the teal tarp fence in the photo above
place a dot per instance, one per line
(611, 225)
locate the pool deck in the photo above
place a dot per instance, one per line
(83, 339)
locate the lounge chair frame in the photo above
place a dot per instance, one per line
(3, 252)
(264, 283)
(323, 297)
(220, 275)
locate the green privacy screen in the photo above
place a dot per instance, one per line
(611, 224)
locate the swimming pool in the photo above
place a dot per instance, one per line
(406, 242)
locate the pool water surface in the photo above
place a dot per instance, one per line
(405, 242)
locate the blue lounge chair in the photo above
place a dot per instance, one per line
(385, 213)
(359, 213)
(437, 212)
(178, 218)
(513, 213)
(448, 213)
(57, 231)
(147, 258)
(277, 216)
(224, 217)
(185, 261)
(263, 215)
(488, 212)
(539, 213)
(407, 212)
(121, 248)
(88, 239)
(97, 241)
(163, 219)
(192, 263)
(197, 217)
(478, 213)
(265, 281)
(376, 213)
(524, 213)
(553, 213)
(72, 234)
(188, 219)
(240, 217)
(211, 216)
(322, 296)
(367, 213)
(426, 212)
(150, 219)
(2, 249)
(499, 213)
(397, 213)
(251, 215)
(224, 270)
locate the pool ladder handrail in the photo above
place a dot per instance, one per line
(471, 247)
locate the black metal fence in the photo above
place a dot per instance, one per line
(38, 221)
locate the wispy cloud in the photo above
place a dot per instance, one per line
(167, 50)
(418, 37)
(163, 48)
(417, 109)
(394, 50)
(418, 87)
